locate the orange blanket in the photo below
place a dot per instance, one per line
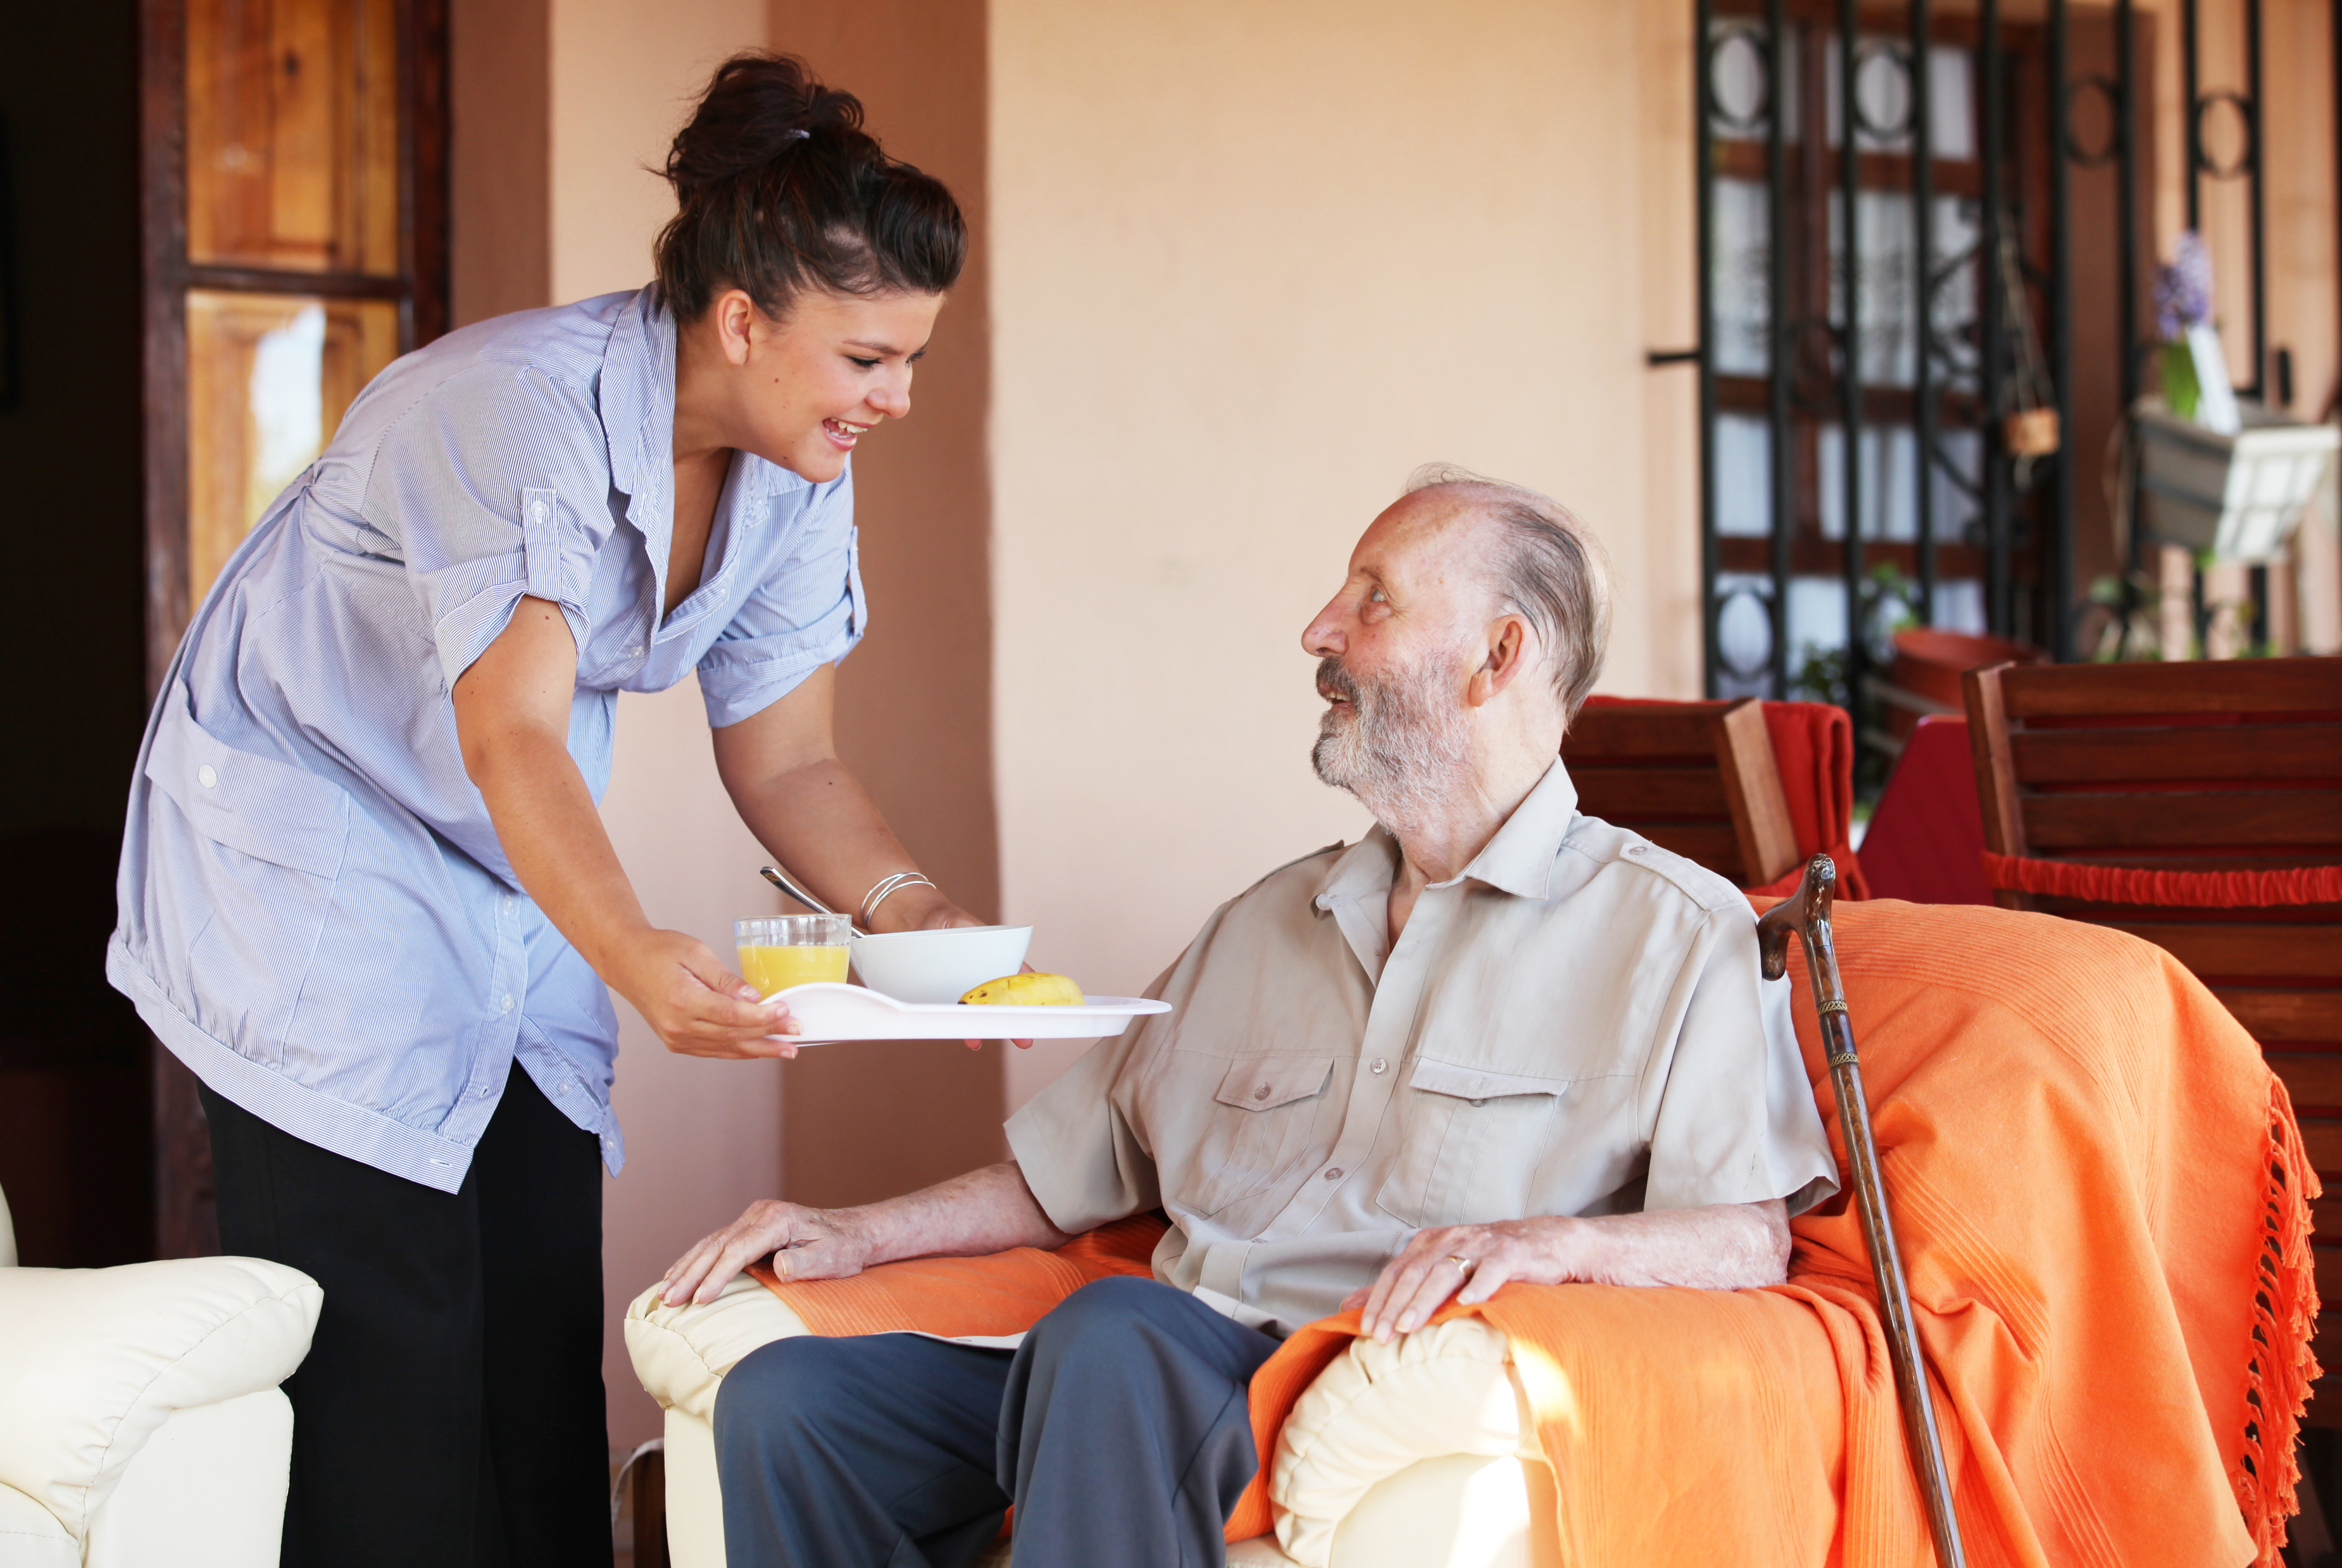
(2103, 1205)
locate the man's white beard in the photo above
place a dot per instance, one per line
(1402, 746)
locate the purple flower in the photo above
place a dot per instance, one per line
(2183, 290)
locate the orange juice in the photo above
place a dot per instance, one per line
(771, 969)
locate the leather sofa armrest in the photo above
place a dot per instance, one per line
(94, 1361)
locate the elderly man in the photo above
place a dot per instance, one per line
(1496, 1040)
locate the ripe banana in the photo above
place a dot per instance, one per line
(1026, 991)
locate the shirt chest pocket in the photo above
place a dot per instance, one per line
(1472, 1142)
(1261, 1122)
(252, 884)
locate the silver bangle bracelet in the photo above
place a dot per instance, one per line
(878, 894)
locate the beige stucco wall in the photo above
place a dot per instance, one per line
(914, 702)
(704, 1138)
(1251, 265)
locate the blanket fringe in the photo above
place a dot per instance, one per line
(2285, 1315)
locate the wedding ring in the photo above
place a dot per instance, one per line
(1464, 1263)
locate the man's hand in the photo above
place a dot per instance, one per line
(1412, 1285)
(1724, 1247)
(696, 1005)
(986, 1211)
(806, 1244)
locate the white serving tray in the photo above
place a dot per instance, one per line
(828, 1011)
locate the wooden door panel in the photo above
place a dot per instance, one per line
(293, 135)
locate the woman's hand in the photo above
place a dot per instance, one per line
(942, 916)
(806, 1244)
(920, 907)
(696, 1005)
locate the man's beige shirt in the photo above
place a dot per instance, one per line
(1573, 1026)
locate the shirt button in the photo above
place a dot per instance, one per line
(636, 652)
(564, 1089)
(1477, 1103)
(1378, 1065)
(537, 512)
(1261, 1093)
(505, 1005)
(1334, 1174)
(207, 777)
(1634, 849)
(484, 1091)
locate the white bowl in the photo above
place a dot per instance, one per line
(938, 965)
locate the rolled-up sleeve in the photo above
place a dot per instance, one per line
(496, 488)
(807, 612)
(1737, 1122)
(1081, 1142)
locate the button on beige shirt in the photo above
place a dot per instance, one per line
(1576, 1025)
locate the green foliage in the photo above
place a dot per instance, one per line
(2181, 391)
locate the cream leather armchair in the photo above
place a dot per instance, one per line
(1419, 1454)
(140, 1424)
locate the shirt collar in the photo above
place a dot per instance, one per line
(1365, 870)
(637, 392)
(637, 399)
(1519, 860)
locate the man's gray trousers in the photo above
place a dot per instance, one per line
(1119, 1429)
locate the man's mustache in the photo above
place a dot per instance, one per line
(1333, 681)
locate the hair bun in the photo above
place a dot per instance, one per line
(758, 107)
(779, 188)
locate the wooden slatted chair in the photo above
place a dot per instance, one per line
(1692, 777)
(2232, 766)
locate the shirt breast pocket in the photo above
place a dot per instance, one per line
(1472, 1141)
(251, 884)
(1261, 1121)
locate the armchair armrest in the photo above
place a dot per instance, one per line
(1425, 1416)
(682, 1353)
(94, 1361)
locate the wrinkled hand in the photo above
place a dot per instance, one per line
(696, 1005)
(804, 1244)
(1414, 1284)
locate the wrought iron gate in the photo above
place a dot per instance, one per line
(1889, 271)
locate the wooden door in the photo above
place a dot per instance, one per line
(294, 209)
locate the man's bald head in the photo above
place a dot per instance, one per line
(1541, 563)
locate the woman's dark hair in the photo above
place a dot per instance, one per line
(780, 189)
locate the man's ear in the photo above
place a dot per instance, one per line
(1509, 644)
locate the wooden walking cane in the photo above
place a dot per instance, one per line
(1806, 912)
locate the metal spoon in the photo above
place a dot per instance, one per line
(788, 884)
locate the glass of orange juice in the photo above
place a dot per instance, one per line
(785, 949)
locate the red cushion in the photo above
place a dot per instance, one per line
(1813, 745)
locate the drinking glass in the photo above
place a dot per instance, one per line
(779, 951)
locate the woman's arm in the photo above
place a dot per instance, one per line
(780, 765)
(512, 717)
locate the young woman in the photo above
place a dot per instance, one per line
(365, 894)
